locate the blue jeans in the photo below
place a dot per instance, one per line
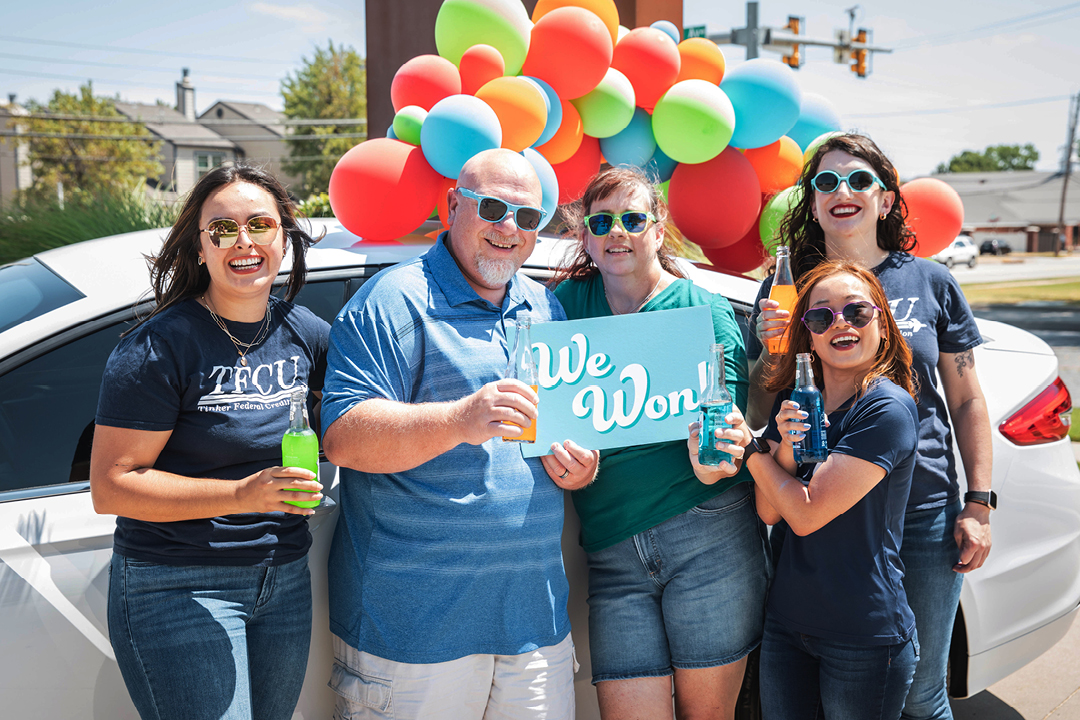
(933, 590)
(810, 678)
(210, 642)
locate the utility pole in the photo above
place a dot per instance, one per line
(1074, 110)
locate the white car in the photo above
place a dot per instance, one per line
(62, 311)
(961, 251)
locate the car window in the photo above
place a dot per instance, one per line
(322, 298)
(29, 289)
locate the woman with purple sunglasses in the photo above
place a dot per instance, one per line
(852, 210)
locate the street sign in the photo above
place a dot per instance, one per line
(694, 31)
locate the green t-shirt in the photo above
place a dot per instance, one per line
(641, 486)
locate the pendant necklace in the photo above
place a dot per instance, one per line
(640, 304)
(238, 344)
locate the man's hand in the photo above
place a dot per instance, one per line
(500, 408)
(972, 533)
(571, 466)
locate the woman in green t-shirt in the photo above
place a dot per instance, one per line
(677, 567)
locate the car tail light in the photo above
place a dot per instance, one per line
(1045, 419)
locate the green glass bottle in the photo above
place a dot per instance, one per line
(300, 445)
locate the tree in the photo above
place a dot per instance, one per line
(994, 158)
(332, 85)
(88, 165)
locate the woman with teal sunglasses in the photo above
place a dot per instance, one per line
(677, 568)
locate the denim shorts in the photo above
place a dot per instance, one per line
(687, 593)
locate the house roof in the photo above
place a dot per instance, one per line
(172, 126)
(1018, 197)
(256, 112)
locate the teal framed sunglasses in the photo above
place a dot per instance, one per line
(495, 210)
(632, 221)
(828, 181)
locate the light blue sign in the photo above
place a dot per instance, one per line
(618, 381)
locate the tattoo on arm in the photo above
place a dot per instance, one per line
(963, 360)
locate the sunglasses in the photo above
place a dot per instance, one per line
(633, 222)
(828, 181)
(856, 314)
(224, 233)
(495, 210)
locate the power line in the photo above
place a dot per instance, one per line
(962, 108)
(143, 68)
(137, 51)
(151, 120)
(174, 140)
(57, 76)
(1029, 20)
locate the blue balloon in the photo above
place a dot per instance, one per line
(456, 128)
(634, 145)
(817, 116)
(549, 184)
(661, 167)
(390, 133)
(767, 100)
(666, 26)
(554, 108)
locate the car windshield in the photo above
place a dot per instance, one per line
(29, 289)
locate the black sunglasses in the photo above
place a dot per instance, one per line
(224, 233)
(856, 314)
(495, 210)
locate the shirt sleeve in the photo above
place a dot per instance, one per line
(753, 345)
(141, 387)
(956, 328)
(772, 432)
(879, 430)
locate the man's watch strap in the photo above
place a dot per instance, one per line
(987, 498)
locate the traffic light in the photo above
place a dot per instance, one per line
(860, 55)
(793, 60)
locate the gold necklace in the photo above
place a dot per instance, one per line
(640, 304)
(237, 343)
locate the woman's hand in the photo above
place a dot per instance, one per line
(772, 322)
(731, 440)
(791, 422)
(268, 490)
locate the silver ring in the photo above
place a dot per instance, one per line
(565, 473)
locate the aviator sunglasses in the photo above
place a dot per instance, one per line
(225, 232)
(856, 314)
(828, 181)
(633, 222)
(495, 210)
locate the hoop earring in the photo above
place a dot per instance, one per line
(884, 215)
(814, 218)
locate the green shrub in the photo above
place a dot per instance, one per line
(316, 206)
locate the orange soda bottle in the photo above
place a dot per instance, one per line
(783, 292)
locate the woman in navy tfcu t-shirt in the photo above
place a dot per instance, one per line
(839, 634)
(209, 592)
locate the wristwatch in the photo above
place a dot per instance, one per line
(754, 446)
(989, 499)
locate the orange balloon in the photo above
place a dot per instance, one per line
(935, 214)
(479, 65)
(701, 60)
(442, 202)
(570, 49)
(574, 174)
(521, 108)
(424, 80)
(650, 61)
(567, 139)
(778, 165)
(604, 9)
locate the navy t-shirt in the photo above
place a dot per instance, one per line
(180, 372)
(843, 582)
(933, 316)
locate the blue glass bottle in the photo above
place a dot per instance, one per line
(715, 406)
(813, 448)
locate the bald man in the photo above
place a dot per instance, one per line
(447, 590)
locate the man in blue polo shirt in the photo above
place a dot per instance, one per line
(447, 590)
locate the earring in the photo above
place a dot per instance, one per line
(814, 218)
(884, 215)
(201, 260)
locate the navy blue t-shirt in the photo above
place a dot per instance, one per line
(843, 582)
(933, 316)
(180, 372)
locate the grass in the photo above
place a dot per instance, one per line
(1074, 429)
(1065, 290)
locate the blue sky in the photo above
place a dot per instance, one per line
(965, 73)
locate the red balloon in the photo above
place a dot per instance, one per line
(935, 214)
(424, 81)
(741, 257)
(574, 174)
(570, 49)
(479, 65)
(442, 201)
(715, 203)
(650, 60)
(383, 189)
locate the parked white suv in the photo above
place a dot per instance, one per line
(961, 251)
(61, 313)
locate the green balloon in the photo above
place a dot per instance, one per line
(608, 108)
(407, 123)
(773, 215)
(817, 142)
(693, 122)
(502, 24)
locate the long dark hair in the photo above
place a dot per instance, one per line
(893, 359)
(578, 264)
(175, 273)
(806, 238)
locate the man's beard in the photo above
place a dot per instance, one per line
(495, 273)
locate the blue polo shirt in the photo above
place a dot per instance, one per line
(462, 554)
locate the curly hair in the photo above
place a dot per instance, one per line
(806, 238)
(893, 359)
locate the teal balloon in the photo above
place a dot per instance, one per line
(390, 133)
(767, 101)
(549, 184)
(407, 123)
(633, 145)
(773, 214)
(554, 116)
(660, 166)
(666, 26)
(817, 116)
(455, 129)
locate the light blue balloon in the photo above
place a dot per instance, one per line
(554, 108)
(661, 167)
(549, 184)
(390, 133)
(456, 128)
(666, 26)
(817, 116)
(767, 101)
(634, 145)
